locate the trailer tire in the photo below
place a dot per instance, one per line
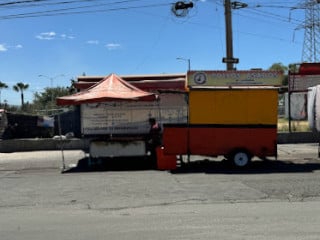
(240, 158)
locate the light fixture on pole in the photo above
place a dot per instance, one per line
(185, 59)
(51, 82)
(51, 78)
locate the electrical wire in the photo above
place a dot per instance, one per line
(42, 3)
(265, 11)
(53, 8)
(78, 9)
(44, 8)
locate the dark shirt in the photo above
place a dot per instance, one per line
(154, 134)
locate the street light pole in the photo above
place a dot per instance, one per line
(51, 78)
(186, 59)
(51, 83)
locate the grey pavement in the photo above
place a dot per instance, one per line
(271, 200)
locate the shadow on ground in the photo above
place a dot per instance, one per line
(197, 166)
(112, 164)
(256, 167)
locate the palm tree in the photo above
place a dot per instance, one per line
(20, 87)
(2, 85)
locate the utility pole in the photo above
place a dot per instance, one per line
(228, 6)
(180, 9)
(229, 40)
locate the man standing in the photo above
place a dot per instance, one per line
(154, 139)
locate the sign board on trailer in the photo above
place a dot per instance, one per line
(131, 117)
(235, 78)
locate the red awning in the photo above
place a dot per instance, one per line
(110, 88)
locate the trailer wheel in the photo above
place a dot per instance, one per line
(241, 159)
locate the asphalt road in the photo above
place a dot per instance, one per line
(204, 200)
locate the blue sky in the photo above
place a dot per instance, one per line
(135, 39)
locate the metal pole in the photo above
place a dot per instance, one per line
(185, 59)
(61, 144)
(51, 85)
(289, 100)
(289, 110)
(228, 20)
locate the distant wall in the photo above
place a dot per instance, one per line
(21, 145)
(24, 145)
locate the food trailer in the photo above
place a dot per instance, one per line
(114, 113)
(230, 113)
(216, 113)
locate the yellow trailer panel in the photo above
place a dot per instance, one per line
(233, 106)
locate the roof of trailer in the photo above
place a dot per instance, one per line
(109, 88)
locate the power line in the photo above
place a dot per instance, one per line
(44, 3)
(73, 5)
(256, 10)
(73, 10)
(18, 2)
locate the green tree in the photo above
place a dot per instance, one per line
(21, 87)
(282, 68)
(2, 86)
(294, 68)
(46, 99)
(72, 89)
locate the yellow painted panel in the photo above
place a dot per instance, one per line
(233, 106)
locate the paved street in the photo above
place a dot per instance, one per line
(205, 200)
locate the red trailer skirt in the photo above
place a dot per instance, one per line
(217, 139)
